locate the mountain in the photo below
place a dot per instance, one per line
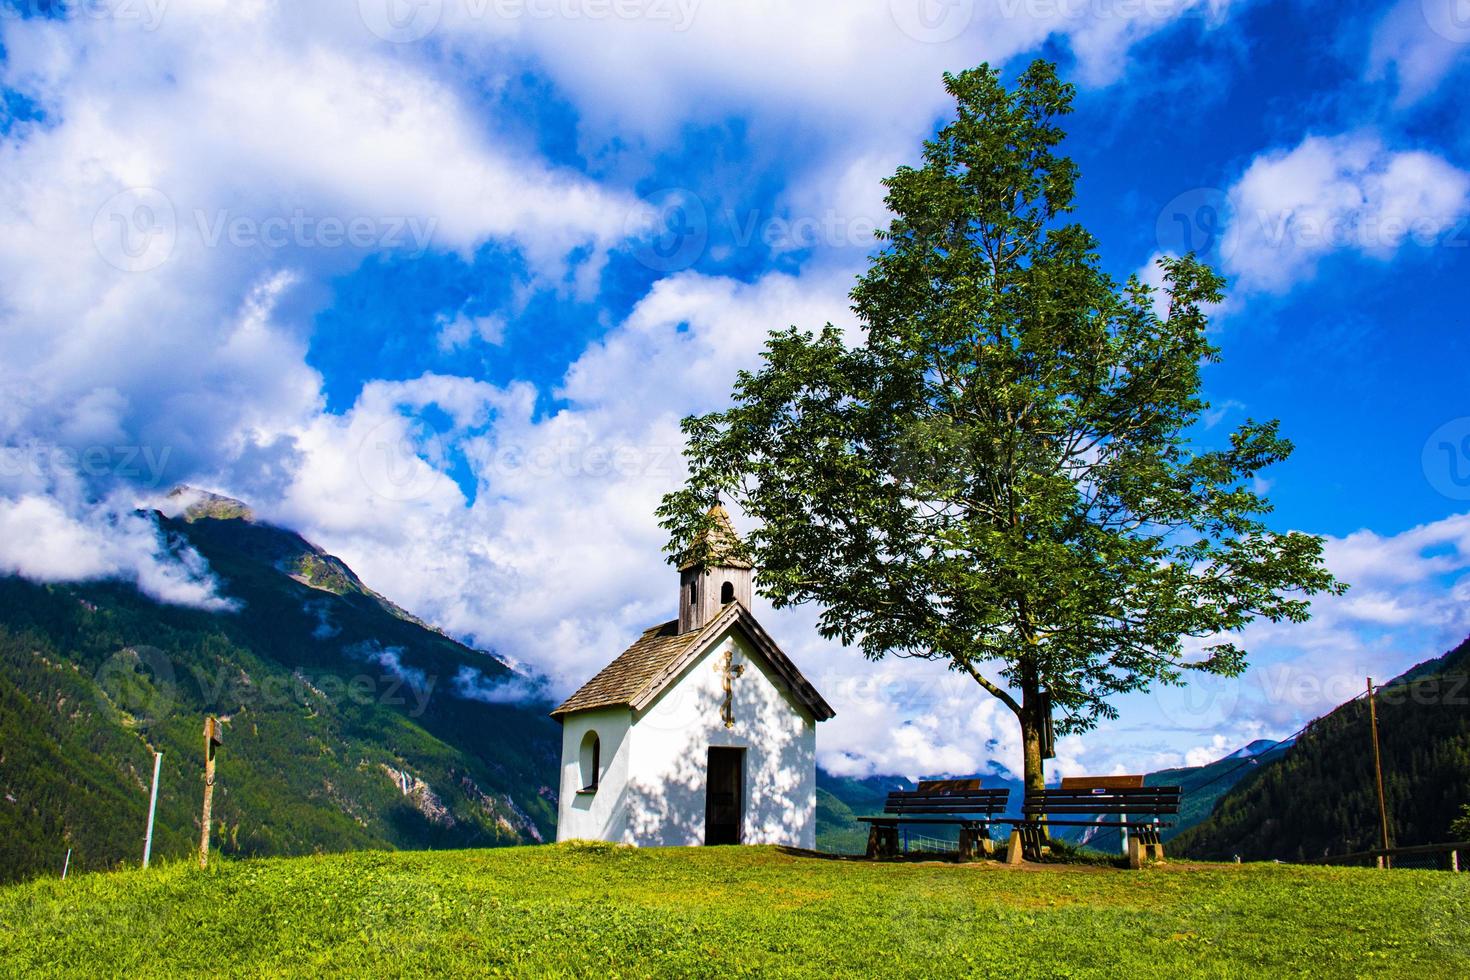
(1319, 798)
(1205, 785)
(347, 723)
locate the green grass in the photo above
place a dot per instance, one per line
(595, 910)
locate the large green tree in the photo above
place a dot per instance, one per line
(997, 471)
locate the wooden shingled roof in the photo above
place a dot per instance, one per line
(643, 670)
(625, 678)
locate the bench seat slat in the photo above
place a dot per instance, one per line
(1096, 807)
(904, 803)
(936, 798)
(886, 818)
(1066, 796)
(1131, 824)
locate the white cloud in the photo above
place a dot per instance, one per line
(690, 57)
(192, 173)
(1418, 43)
(46, 542)
(1341, 193)
(461, 330)
(1409, 601)
(270, 113)
(473, 685)
(557, 563)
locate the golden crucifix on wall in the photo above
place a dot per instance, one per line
(729, 671)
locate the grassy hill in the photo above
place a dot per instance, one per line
(348, 724)
(721, 912)
(1319, 797)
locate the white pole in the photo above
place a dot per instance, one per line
(66, 864)
(152, 806)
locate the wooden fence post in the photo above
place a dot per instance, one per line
(1385, 861)
(211, 742)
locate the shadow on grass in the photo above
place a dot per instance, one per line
(1061, 853)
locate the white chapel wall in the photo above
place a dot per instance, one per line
(665, 790)
(601, 815)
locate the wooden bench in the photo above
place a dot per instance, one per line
(1139, 810)
(939, 801)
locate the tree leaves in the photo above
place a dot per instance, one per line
(1001, 474)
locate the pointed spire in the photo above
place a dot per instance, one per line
(713, 572)
(717, 545)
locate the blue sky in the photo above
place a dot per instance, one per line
(434, 280)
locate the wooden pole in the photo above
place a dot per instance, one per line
(211, 742)
(1378, 776)
(152, 809)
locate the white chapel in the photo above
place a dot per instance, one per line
(701, 732)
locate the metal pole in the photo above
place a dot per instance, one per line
(152, 808)
(1378, 776)
(65, 865)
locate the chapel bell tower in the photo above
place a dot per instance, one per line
(714, 575)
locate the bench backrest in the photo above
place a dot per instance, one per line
(947, 785)
(1101, 782)
(1104, 794)
(948, 796)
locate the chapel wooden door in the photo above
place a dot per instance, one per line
(724, 805)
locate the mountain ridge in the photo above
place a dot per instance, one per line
(1320, 798)
(348, 722)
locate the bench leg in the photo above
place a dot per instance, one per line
(1135, 852)
(1033, 841)
(1014, 848)
(973, 840)
(882, 841)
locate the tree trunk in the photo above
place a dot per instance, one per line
(1033, 766)
(1032, 725)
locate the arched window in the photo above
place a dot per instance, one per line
(591, 762)
(727, 593)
